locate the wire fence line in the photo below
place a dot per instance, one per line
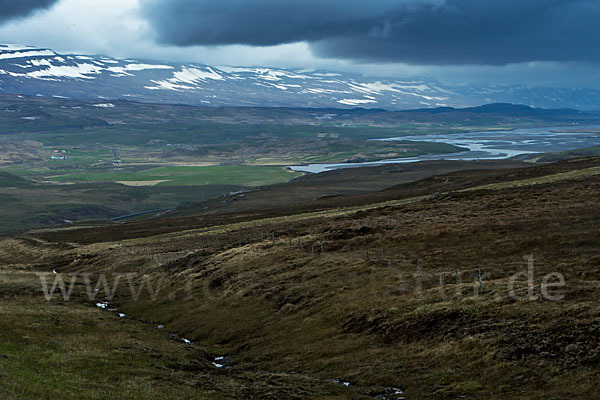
(374, 255)
(396, 269)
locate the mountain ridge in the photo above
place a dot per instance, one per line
(38, 71)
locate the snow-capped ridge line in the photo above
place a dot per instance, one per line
(37, 71)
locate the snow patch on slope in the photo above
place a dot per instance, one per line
(186, 79)
(80, 71)
(23, 54)
(194, 75)
(356, 102)
(124, 71)
(403, 88)
(325, 91)
(167, 85)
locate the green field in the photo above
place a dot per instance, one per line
(249, 176)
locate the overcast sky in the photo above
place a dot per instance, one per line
(537, 42)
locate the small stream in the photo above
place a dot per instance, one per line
(388, 393)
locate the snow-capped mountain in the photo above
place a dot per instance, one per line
(37, 71)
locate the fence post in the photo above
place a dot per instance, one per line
(540, 289)
(290, 235)
(367, 252)
(480, 280)
(419, 279)
(380, 256)
(300, 244)
(312, 250)
(321, 246)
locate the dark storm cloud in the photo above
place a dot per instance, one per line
(434, 32)
(265, 22)
(10, 9)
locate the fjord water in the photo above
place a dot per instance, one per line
(487, 145)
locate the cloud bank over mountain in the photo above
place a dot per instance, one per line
(422, 32)
(11, 9)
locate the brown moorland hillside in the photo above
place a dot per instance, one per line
(413, 287)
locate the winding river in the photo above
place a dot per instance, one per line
(487, 145)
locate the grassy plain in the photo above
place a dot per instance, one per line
(247, 176)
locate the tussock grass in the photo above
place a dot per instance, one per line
(276, 308)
